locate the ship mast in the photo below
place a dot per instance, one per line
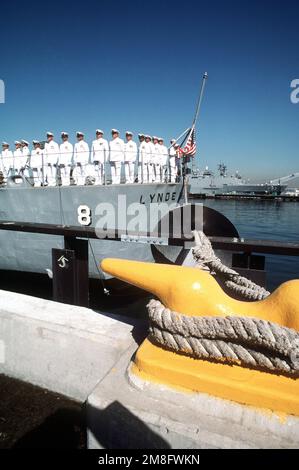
(195, 119)
(198, 104)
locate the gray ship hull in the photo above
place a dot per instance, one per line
(59, 205)
(213, 186)
(254, 189)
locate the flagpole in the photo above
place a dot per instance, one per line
(198, 105)
(179, 137)
(196, 116)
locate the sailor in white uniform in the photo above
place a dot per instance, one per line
(18, 157)
(153, 161)
(36, 163)
(148, 160)
(163, 160)
(81, 159)
(130, 157)
(7, 160)
(65, 159)
(25, 150)
(51, 153)
(117, 149)
(99, 156)
(142, 167)
(26, 154)
(173, 160)
(156, 160)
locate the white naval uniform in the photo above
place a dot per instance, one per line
(164, 162)
(36, 165)
(7, 162)
(142, 163)
(25, 156)
(65, 162)
(81, 161)
(172, 164)
(157, 163)
(51, 154)
(117, 149)
(130, 159)
(99, 157)
(150, 158)
(18, 159)
(26, 152)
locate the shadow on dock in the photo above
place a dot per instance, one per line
(31, 417)
(116, 427)
(120, 299)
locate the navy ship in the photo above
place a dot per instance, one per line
(84, 204)
(207, 183)
(75, 205)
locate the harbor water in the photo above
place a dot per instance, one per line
(271, 220)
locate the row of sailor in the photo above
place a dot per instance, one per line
(153, 159)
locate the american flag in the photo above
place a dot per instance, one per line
(190, 147)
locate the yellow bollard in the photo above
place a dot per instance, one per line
(195, 292)
(192, 291)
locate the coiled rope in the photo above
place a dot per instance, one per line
(246, 341)
(205, 257)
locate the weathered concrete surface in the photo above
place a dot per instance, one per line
(81, 353)
(128, 413)
(60, 347)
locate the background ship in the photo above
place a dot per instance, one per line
(206, 183)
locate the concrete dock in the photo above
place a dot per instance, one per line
(86, 355)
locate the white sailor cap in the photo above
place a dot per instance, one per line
(17, 142)
(155, 137)
(79, 133)
(141, 135)
(35, 142)
(160, 139)
(173, 141)
(114, 131)
(50, 134)
(24, 142)
(129, 133)
(148, 136)
(5, 143)
(64, 134)
(99, 131)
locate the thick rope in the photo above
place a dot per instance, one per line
(205, 257)
(246, 341)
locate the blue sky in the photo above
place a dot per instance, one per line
(135, 65)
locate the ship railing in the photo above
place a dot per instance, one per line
(89, 173)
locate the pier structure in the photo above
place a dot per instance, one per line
(88, 355)
(84, 355)
(70, 264)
